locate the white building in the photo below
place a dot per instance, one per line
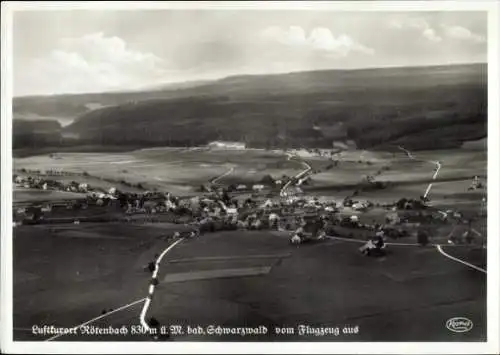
(360, 205)
(232, 211)
(226, 145)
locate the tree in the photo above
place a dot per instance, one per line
(422, 238)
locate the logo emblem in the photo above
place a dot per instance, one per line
(459, 324)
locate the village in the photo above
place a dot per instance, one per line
(276, 204)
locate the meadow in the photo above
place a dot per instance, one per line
(179, 171)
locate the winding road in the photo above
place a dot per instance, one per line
(436, 172)
(230, 171)
(439, 247)
(307, 169)
(146, 300)
(147, 303)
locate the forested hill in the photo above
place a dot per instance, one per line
(422, 108)
(35, 134)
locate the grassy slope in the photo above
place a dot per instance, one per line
(65, 275)
(307, 286)
(423, 108)
(310, 288)
(178, 171)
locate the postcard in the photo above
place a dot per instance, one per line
(250, 177)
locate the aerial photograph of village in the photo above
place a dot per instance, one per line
(244, 175)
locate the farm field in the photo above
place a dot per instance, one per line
(66, 274)
(460, 164)
(298, 286)
(31, 195)
(409, 178)
(180, 171)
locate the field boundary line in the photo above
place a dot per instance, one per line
(99, 317)
(145, 308)
(438, 247)
(235, 257)
(389, 243)
(364, 241)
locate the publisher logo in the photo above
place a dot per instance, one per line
(459, 324)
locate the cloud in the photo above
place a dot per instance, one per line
(97, 49)
(420, 24)
(431, 35)
(320, 39)
(416, 23)
(90, 63)
(462, 33)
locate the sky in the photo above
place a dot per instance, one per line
(79, 51)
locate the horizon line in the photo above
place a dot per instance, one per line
(157, 87)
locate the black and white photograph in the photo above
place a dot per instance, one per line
(219, 173)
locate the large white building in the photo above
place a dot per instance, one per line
(226, 145)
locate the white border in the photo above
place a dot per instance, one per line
(489, 347)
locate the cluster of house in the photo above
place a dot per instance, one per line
(475, 184)
(238, 188)
(216, 210)
(288, 214)
(51, 172)
(215, 205)
(325, 153)
(37, 182)
(266, 183)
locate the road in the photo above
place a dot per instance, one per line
(147, 303)
(436, 172)
(296, 177)
(230, 171)
(438, 168)
(147, 300)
